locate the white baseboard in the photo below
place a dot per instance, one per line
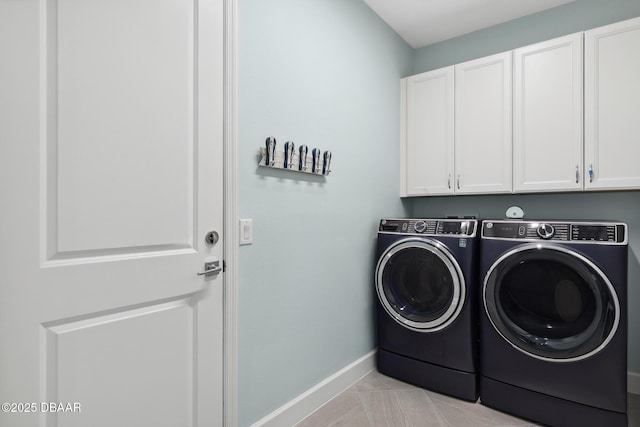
(302, 406)
(633, 382)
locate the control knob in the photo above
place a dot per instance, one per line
(545, 231)
(420, 226)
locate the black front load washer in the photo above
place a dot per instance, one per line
(426, 278)
(553, 321)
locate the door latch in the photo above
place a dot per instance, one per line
(211, 268)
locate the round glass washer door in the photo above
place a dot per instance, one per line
(551, 303)
(420, 285)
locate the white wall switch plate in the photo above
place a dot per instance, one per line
(246, 231)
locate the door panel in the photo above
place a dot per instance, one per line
(483, 134)
(611, 88)
(547, 121)
(113, 176)
(429, 133)
(102, 138)
(129, 347)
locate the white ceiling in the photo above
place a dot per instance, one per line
(424, 22)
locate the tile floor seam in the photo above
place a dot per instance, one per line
(436, 410)
(366, 411)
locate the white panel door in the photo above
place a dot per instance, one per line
(111, 151)
(547, 122)
(483, 133)
(612, 125)
(428, 139)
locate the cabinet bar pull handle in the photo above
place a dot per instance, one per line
(577, 174)
(591, 172)
(458, 181)
(449, 181)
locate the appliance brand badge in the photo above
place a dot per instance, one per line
(462, 243)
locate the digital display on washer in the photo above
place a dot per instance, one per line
(591, 232)
(450, 227)
(501, 229)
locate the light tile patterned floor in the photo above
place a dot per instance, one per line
(377, 400)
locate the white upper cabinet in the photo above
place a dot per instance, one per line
(561, 115)
(547, 139)
(427, 140)
(483, 136)
(612, 112)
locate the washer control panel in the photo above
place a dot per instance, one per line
(577, 231)
(462, 227)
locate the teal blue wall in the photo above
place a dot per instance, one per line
(569, 18)
(324, 73)
(625, 206)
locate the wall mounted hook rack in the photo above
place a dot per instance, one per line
(296, 159)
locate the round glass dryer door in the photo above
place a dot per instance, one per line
(551, 303)
(420, 284)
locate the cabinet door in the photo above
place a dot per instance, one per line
(483, 125)
(547, 149)
(612, 123)
(427, 142)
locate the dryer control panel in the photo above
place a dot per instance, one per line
(576, 231)
(462, 227)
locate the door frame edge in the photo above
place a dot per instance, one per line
(231, 237)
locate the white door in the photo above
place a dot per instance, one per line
(547, 121)
(612, 66)
(483, 125)
(427, 142)
(110, 177)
